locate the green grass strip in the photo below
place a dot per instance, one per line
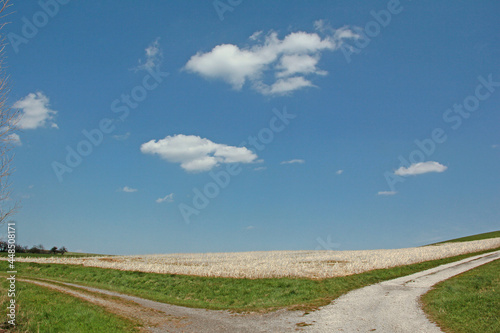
(48, 255)
(41, 309)
(467, 303)
(487, 235)
(221, 293)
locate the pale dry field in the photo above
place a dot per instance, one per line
(310, 264)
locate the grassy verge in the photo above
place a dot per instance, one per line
(469, 302)
(221, 293)
(487, 235)
(43, 255)
(41, 309)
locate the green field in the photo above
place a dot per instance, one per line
(220, 293)
(42, 255)
(486, 235)
(458, 306)
(467, 303)
(41, 309)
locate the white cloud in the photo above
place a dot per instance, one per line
(495, 146)
(35, 111)
(250, 227)
(15, 139)
(339, 172)
(121, 137)
(197, 154)
(167, 198)
(289, 60)
(387, 193)
(128, 189)
(293, 161)
(259, 168)
(283, 86)
(420, 168)
(256, 35)
(298, 64)
(153, 56)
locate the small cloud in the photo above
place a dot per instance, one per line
(35, 112)
(259, 168)
(283, 86)
(495, 146)
(153, 57)
(121, 137)
(128, 189)
(296, 161)
(387, 193)
(256, 35)
(250, 227)
(31, 186)
(196, 154)
(15, 139)
(339, 172)
(167, 198)
(420, 168)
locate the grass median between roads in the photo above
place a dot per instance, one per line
(41, 309)
(221, 293)
(467, 303)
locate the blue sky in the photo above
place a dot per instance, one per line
(160, 127)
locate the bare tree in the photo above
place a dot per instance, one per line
(8, 137)
(63, 250)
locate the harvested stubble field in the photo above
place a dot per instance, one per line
(275, 264)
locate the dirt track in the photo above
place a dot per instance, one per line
(390, 306)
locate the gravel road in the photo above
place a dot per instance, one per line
(391, 306)
(388, 307)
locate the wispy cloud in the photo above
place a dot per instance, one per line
(250, 227)
(15, 139)
(35, 112)
(128, 189)
(121, 137)
(197, 154)
(387, 193)
(339, 172)
(167, 198)
(420, 168)
(286, 62)
(296, 161)
(153, 56)
(259, 168)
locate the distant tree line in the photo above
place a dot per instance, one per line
(4, 246)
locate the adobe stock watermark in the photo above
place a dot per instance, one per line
(48, 9)
(327, 244)
(222, 178)
(94, 137)
(453, 117)
(11, 273)
(373, 28)
(222, 6)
